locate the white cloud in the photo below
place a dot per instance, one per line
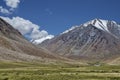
(4, 10)
(12, 3)
(26, 27)
(36, 33)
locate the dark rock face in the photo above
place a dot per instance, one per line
(96, 39)
(6, 28)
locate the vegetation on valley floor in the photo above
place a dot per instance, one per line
(34, 71)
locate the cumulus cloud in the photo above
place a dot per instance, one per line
(4, 10)
(12, 3)
(26, 27)
(36, 33)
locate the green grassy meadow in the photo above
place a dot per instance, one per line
(35, 71)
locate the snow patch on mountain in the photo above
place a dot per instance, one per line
(38, 41)
(69, 29)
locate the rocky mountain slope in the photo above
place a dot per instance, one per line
(14, 47)
(94, 40)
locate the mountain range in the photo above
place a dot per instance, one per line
(95, 40)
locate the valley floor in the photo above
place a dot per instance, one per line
(34, 71)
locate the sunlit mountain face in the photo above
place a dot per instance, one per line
(96, 39)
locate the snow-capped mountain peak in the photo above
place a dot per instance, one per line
(97, 39)
(98, 23)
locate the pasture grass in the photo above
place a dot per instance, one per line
(37, 71)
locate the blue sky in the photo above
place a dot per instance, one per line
(55, 16)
